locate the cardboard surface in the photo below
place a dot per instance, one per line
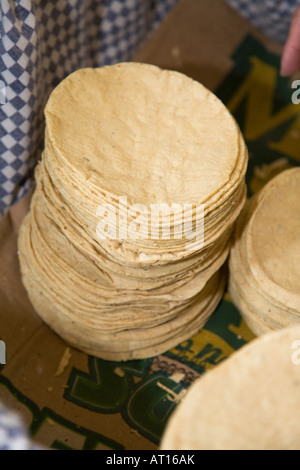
(92, 405)
(198, 39)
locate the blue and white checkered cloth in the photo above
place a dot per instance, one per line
(41, 42)
(12, 432)
(272, 17)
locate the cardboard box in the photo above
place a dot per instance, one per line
(95, 404)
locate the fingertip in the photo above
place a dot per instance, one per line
(290, 62)
(286, 70)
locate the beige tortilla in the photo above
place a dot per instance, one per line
(249, 402)
(264, 270)
(138, 123)
(273, 242)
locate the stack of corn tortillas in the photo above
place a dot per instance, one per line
(104, 262)
(265, 259)
(249, 402)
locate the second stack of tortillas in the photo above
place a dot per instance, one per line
(265, 260)
(102, 265)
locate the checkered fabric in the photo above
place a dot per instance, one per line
(41, 42)
(12, 433)
(272, 17)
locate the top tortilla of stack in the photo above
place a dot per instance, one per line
(194, 141)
